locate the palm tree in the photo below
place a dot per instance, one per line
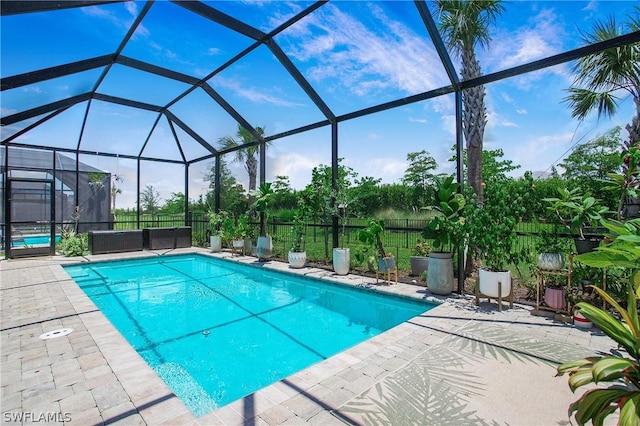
(246, 155)
(601, 75)
(464, 25)
(115, 178)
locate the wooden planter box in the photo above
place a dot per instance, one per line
(167, 238)
(101, 242)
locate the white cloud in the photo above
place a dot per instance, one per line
(341, 50)
(542, 37)
(389, 170)
(253, 94)
(294, 165)
(32, 89)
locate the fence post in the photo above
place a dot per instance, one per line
(406, 234)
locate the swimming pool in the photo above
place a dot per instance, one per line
(216, 331)
(34, 240)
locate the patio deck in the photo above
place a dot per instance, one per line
(473, 365)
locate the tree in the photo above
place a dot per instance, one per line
(419, 176)
(465, 24)
(368, 200)
(601, 75)
(246, 155)
(233, 198)
(591, 162)
(284, 197)
(150, 200)
(175, 204)
(320, 193)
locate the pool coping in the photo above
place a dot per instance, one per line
(118, 352)
(306, 396)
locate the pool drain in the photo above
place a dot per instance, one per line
(56, 333)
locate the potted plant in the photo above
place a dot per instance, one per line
(236, 232)
(264, 247)
(577, 212)
(419, 260)
(372, 236)
(446, 230)
(297, 254)
(550, 248)
(493, 236)
(340, 208)
(216, 219)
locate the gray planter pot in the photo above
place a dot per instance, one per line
(419, 264)
(440, 273)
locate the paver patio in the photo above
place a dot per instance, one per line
(493, 367)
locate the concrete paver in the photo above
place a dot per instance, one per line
(95, 376)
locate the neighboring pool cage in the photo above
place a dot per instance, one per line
(42, 195)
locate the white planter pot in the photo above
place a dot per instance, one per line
(238, 245)
(550, 261)
(488, 283)
(248, 246)
(341, 260)
(264, 248)
(440, 273)
(297, 259)
(215, 243)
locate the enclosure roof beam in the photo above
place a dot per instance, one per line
(43, 109)
(231, 111)
(19, 7)
(32, 126)
(126, 102)
(443, 53)
(99, 153)
(148, 138)
(154, 69)
(190, 132)
(500, 75)
(299, 78)
(221, 18)
(177, 140)
(561, 58)
(55, 72)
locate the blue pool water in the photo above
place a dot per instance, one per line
(216, 331)
(34, 240)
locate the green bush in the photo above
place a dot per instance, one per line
(72, 244)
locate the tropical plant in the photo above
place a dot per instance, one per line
(600, 76)
(247, 155)
(216, 219)
(236, 230)
(576, 210)
(372, 236)
(492, 225)
(626, 183)
(465, 25)
(261, 205)
(422, 248)
(72, 243)
(299, 228)
(446, 228)
(621, 371)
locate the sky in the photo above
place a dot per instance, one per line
(354, 54)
